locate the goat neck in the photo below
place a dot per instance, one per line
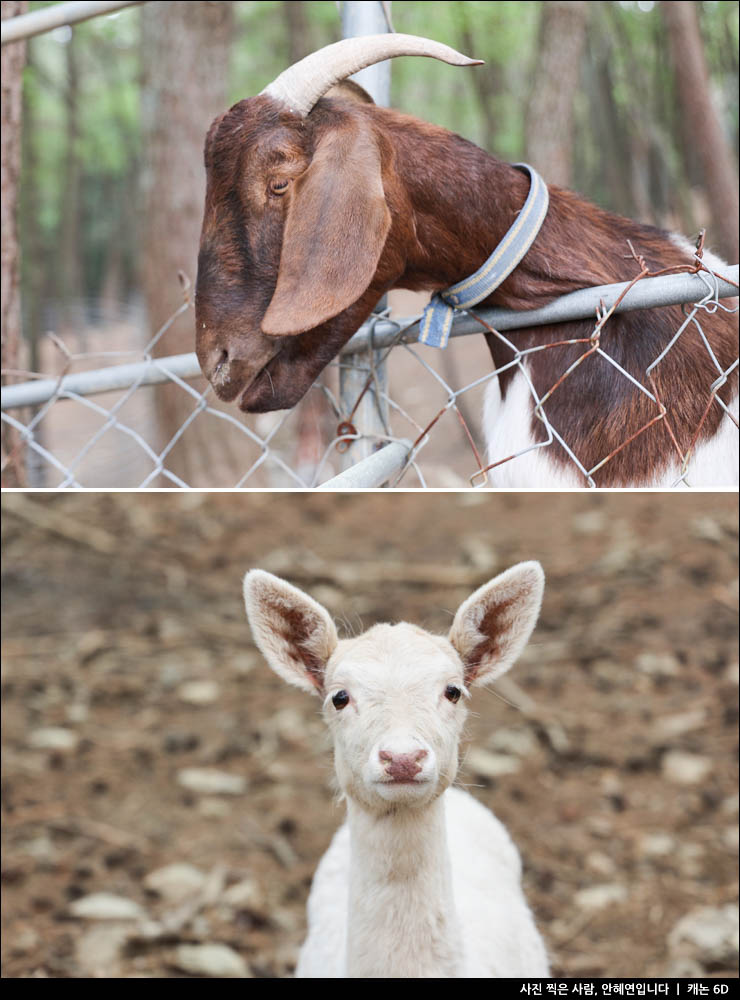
(463, 201)
(401, 891)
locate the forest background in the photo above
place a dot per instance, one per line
(632, 104)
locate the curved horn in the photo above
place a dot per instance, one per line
(301, 85)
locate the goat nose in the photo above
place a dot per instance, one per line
(215, 365)
(402, 766)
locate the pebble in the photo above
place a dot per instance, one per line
(209, 781)
(685, 768)
(671, 726)
(731, 804)
(519, 742)
(24, 940)
(214, 808)
(707, 934)
(598, 896)
(490, 765)
(707, 529)
(106, 906)
(591, 522)
(731, 838)
(53, 738)
(98, 950)
(215, 960)
(600, 864)
(199, 692)
(658, 664)
(175, 882)
(656, 845)
(685, 968)
(244, 894)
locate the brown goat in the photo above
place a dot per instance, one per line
(317, 206)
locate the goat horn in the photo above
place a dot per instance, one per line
(302, 84)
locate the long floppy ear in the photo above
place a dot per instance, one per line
(493, 626)
(293, 632)
(335, 230)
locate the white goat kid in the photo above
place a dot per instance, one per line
(422, 881)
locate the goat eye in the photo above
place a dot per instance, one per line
(340, 700)
(452, 693)
(278, 187)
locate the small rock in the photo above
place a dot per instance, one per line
(671, 726)
(330, 597)
(42, 848)
(590, 522)
(600, 826)
(732, 673)
(600, 864)
(707, 529)
(106, 906)
(685, 768)
(215, 960)
(708, 934)
(658, 664)
(24, 940)
(731, 838)
(53, 738)
(78, 712)
(244, 894)
(98, 950)
(598, 896)
(518, 742)
(730, 805)
(175, 882)
(199, 692)
(490, 765)
(287, 723)
(213, 808)
(690, 859)
(209, 781)
(656, 845)
(685, 968)
(479, 552)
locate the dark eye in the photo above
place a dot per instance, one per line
(452, 693)
(340, 700)
(278, 187)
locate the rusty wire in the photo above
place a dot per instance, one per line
(273, 453)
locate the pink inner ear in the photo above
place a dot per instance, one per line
(298, 629)
(495, 627)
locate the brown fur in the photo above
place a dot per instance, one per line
(285, 279)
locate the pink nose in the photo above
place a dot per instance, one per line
(402, 766)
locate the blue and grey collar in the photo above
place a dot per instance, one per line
(436, 321)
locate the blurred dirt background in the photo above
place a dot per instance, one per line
(166, 798)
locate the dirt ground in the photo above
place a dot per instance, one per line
(610, 751)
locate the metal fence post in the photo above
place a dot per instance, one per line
(371, 414)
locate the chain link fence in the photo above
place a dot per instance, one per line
(386, 412)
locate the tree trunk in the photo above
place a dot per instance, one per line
(185, 55)
(70, 259)
(549, 126)
(703, 127)
(487, 81)
(13, 59)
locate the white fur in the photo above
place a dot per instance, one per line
(422, 881)
(507, 431)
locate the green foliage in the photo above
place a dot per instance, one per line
(626, 46)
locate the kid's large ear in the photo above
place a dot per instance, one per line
(493, 626)
(335, 230)
(293, 632)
